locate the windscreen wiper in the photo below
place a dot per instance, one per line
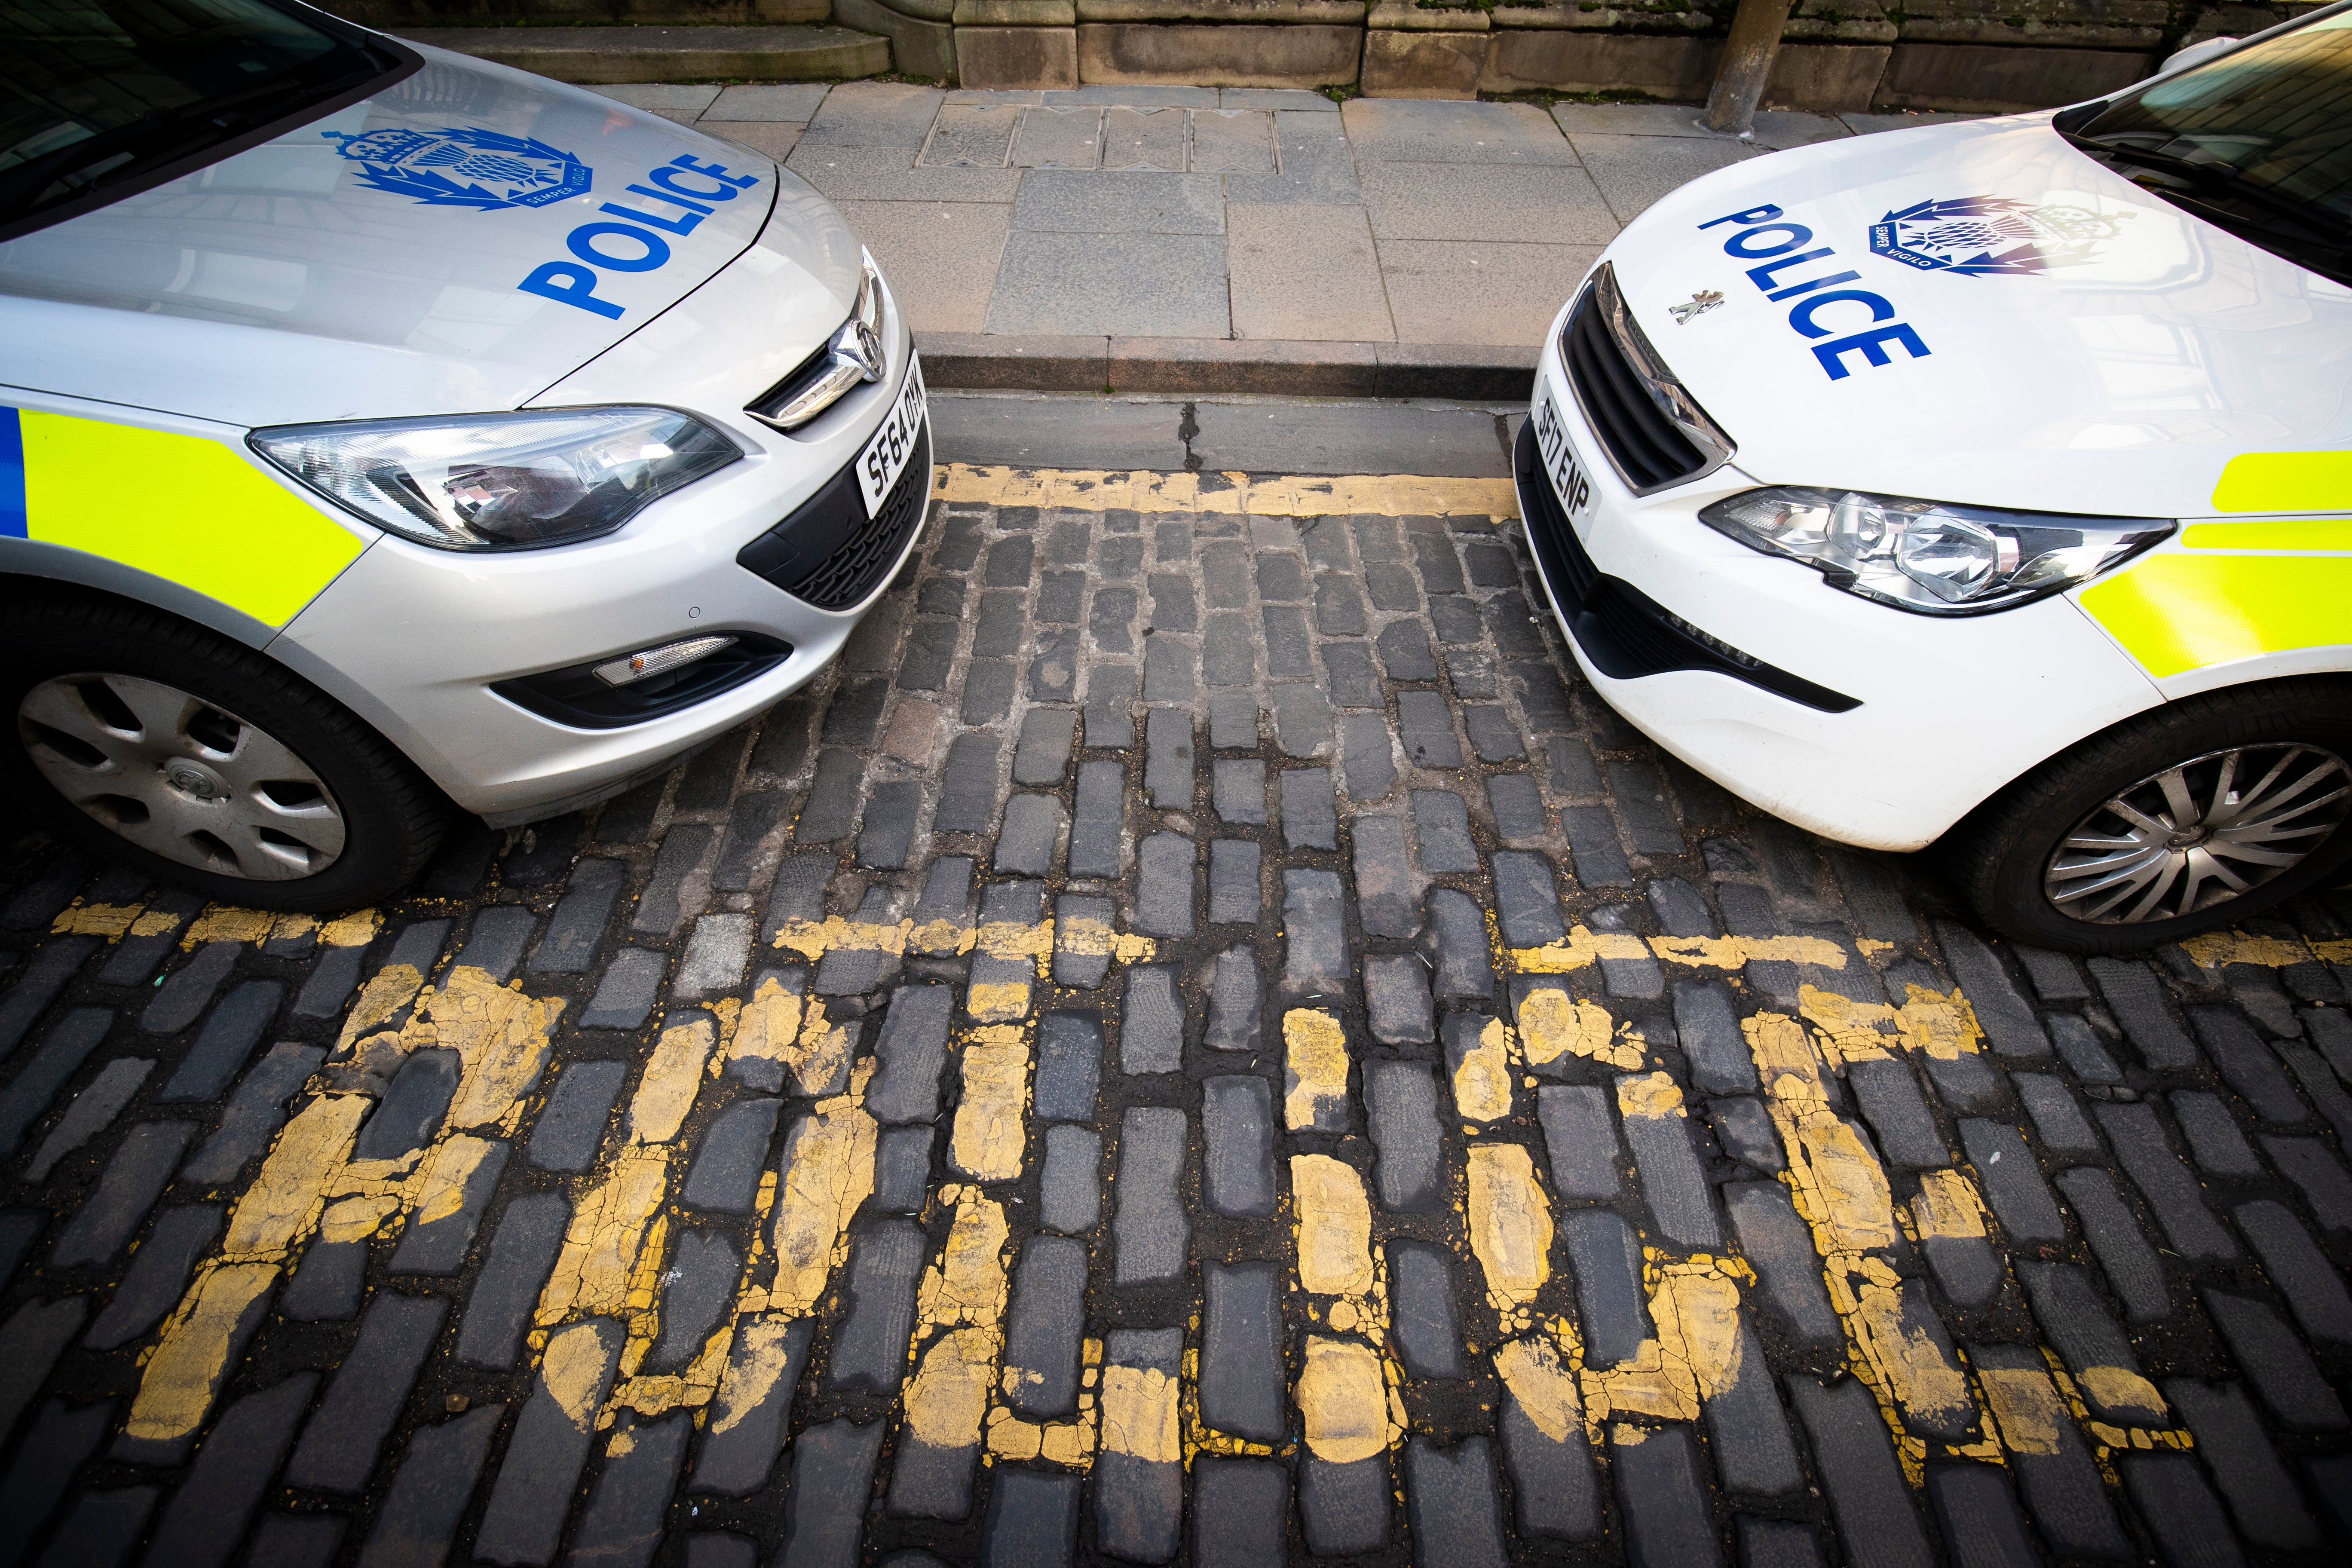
(2218, 174)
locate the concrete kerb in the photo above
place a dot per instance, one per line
(1210, 366)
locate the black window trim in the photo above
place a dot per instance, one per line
(407, 63)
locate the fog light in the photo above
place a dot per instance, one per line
(659, 660)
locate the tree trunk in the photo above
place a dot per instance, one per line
(1746, 62)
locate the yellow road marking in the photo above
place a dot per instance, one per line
(1510, 1228)
(1315, 1067)
(991, 1134)
(1094, 489)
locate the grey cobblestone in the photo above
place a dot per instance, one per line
(1240, 1511)
(1236, 1001)
(2282, 1372)
(567, 1133)
(1168, 758)
(1164, 895)
(1150, 1230)
(1070, 1190)
(1315, 943)
(2314, 1292)
(498, 1311)
(338, 1444)
(2125, 1256)
(1096, 846)
(2171, 1192)
(2215, 1257)
(1368, 755)
(134, 1179)
(1234, 894)
(869, 1348)
(1237, 1127)
(158, 1274)
(2260, 1494)
(1309, 820)
(1151, 1022)
(1606, 1258)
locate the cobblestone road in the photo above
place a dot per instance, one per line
(1200, 1041)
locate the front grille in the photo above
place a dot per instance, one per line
(1624, 632)
(828, 552)
(1654, 434)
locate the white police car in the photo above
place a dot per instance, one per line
(378, 426)
(1990, 485)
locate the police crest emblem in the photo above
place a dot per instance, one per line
(463, 166)
(1992, 236)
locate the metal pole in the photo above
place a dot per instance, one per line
(1746, 62)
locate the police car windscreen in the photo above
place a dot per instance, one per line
(2258, 141)
(94, 94)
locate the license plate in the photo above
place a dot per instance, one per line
(886, 456)
(1566, 471)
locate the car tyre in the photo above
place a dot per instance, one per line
(200, 762)
(2263, 770)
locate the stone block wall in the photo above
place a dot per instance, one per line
(1836, 55)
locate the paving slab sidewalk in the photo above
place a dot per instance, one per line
(1206, 239)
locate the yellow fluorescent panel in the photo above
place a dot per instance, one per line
(2281, 533)
(2285, 481)
(187, 509)
(2175, 613)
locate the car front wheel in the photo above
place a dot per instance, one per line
(2177, 821)
(202, 763)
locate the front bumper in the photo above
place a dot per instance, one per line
(1851, 720)
(413, 638)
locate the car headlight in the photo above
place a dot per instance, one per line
(1931, 557)
(501, 481)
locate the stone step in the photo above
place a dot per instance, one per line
(604, 55)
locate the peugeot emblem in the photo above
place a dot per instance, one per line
(1700, 303)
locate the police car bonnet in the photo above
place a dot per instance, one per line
(461, 241)
(1980, 312)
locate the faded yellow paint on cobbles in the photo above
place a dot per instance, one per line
(1510, 1228)
(2026, 1409)
(813, 939)
(1948, 1208)
(190, 1362)
(1482, 1080)
(573, 1369)
(1935, 1024)
(672, 1078)
(1652, 1095)
(1553, 1025)
(991, 1134)
(1138, 489)
(2215, 949)
(828, 1164)
(285, 1200)
(1583, 948)
(1694, 1354)
(793, 1032)
(759, 1356)
(1334, 1228)
(1912, 1367)
(1086, 937)
(1350, 1411)
(1140, 1415)
(1835, 1181)
(614, 1220)
(1540, 1369)
(967, 1284)
(1315, 1069)
(948, 1399)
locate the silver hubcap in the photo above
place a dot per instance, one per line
(180, 777)
(2198, 835)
